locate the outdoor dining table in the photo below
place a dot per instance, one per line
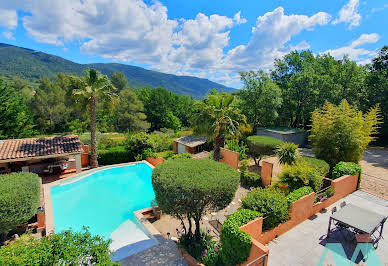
(360, 220)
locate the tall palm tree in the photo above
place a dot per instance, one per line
(91, 89)
(218, 118)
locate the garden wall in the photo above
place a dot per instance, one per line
(155, 161)
(300, 210)
(230, 157)
(266, 173)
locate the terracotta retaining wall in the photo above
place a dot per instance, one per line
(85, 156)
(266, 173)
(189, 259)
(230, 157)
(300, 210)
(155, 161)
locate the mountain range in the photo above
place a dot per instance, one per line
(32, 65)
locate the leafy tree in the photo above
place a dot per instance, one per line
(187, 188)
(49, 106)
(19, 199)
(261, 98)
(65, 248)
(120, 81)
(172, 122)
(377, 89)
(217, 118)
(260, 146)
(341, 133)
(15, 117)
(93, 88)
(129, 113)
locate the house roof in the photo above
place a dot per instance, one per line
(191, 141)
(13, 149)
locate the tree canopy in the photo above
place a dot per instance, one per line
(188, 188)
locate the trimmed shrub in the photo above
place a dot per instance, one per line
(66, 248)
(318, 164)
(114, 155)
(271, 203)
(297, 194)
(260, 146)
(342, 133)
(300, 175)
(345, 168)
(235, 243)
(288, 153)
(190, 188)
(19, 199)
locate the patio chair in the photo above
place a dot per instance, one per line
(343, 204)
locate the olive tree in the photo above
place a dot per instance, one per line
(188, 188)
(19, 199)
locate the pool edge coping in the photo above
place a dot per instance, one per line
(48, 207)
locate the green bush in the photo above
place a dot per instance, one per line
(148, 153)
(288, 153)
(297, 194)
(324, 195)
(138, 142)
(342, 133)
(165, 154)
(250, 179)
(271, 203)
(300, 175)
(260, 146)
(234, 146)
(66, 248)
(115, 155)
(184, 155)
(235, 243)
(19, 199)
(345, 168)
(318, 164)
(190, 188)
(161, 141)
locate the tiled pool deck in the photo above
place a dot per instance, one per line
(304, 244)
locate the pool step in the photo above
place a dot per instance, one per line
(165, 253)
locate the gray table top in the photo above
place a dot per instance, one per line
(359, 218)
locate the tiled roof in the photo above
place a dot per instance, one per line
(191, 141)
(36, 147)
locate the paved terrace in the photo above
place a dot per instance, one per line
(304, 244)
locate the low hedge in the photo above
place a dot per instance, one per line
(235, 243)
(66, 248)
(115, 155)
(19, 199)
(300, 175)
(271, 203)
(345, 168)
(319, 164)
(297, 194)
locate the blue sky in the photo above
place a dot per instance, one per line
(210, 39)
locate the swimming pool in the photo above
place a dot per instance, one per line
(104, 201)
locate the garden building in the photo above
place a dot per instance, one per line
(42, 155)
(191, 144)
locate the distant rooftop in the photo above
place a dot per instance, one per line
(191, 141)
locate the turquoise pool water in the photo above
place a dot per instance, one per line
(104, 201)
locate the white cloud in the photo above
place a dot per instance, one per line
(349, 14)
(133, 31)
(8, 35)
(238, 19)
(354, 51)
(8, 18)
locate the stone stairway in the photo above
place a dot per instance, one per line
(165, 253)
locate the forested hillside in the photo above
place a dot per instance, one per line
(33, 65)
